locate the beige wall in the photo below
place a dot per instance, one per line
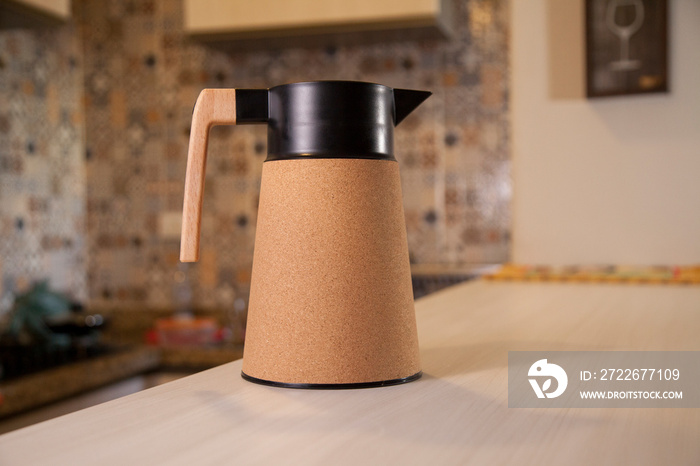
(614, 180)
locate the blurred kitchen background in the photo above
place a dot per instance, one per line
(95, 108)
(506, 162)
(94, 126)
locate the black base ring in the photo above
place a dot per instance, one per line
(333, 386)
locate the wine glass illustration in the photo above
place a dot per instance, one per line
(624, 32)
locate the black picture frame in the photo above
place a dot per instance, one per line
(626, 47)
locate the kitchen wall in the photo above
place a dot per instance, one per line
(94, 123)
(42, 170)
(142, 76)
(611, 180)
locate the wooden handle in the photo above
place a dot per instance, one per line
(213, 107)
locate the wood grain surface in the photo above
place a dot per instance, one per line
(456, 414)
(213, 107)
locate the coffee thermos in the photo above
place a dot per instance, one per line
(331, 302)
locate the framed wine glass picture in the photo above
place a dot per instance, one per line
(626, 47)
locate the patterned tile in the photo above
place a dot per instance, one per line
(43, 184)
(124, 78)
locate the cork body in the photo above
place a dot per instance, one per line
(331, 300)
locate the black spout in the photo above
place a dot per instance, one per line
(405, 101)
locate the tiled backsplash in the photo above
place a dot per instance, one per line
(42, 169)
(141, 78)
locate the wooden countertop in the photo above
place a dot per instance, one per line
(456, 414)
(61, 382)
(48, 386)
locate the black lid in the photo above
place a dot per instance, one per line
(327, 119)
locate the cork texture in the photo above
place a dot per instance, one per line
(331, 298)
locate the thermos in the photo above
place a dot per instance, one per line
(331, 302)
